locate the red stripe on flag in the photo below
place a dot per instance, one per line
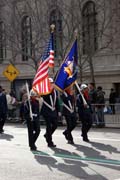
(43, 87)
(51, 59)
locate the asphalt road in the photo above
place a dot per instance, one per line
(97, 160)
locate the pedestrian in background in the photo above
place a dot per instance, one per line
(50, 110)
(100, 107)
(12, 106)
(68, 111)
(112, 100)
(84, 111)
(3, 109)
(93, 98)
(33, 123)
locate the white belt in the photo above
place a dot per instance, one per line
(71, 110)
(49, 106)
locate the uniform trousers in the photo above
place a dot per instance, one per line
(71, 124)
(86, 125)
(51, 126)
(2, 121)
(33, 131)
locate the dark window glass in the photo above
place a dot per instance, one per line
(2, 42)
(56, 19)
(26, 38)
(89, 28)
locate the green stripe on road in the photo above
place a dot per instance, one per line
(78, 158)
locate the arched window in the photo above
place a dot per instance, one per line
(2, 42)
(56, 19)
(89, 28)
(26, 38)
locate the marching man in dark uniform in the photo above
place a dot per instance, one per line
(84, 111)
(33, 124)
(3, 109)
(50, 111)
(68, 111)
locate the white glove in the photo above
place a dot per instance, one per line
(59, 114)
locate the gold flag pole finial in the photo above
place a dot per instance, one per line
(76, 33)
(52, 26)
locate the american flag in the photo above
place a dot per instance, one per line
(41, 82)
(51, 51)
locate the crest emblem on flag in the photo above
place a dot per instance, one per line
(67, 73)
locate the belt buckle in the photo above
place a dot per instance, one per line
(53, 108)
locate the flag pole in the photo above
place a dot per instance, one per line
(28, 94)
(84, 101)
(52, 26)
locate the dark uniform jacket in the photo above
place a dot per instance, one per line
(3, 104)
(68, 104)
(35, 109)
(83, 111)
(50, 106)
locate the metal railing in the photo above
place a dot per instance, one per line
(110, 118)
(109, 112)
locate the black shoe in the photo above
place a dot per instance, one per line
(86, 139)
(33, 148)
(1, 131)
(100, 125)
(70, 142)
(65, 134)
(45, 136)
(51, 145)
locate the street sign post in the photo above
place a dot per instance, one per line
(11, 72)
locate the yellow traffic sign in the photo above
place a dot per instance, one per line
(11, 72)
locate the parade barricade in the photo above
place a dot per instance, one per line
(111, 118)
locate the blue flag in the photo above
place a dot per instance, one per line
(67, 73)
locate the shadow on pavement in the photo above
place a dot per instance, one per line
(105, 147)
(91, 153)
(7, 137)
(65, 165)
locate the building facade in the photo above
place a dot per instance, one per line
(25, 30)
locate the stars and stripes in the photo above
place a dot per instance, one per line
(51, 58)
(41, 82)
